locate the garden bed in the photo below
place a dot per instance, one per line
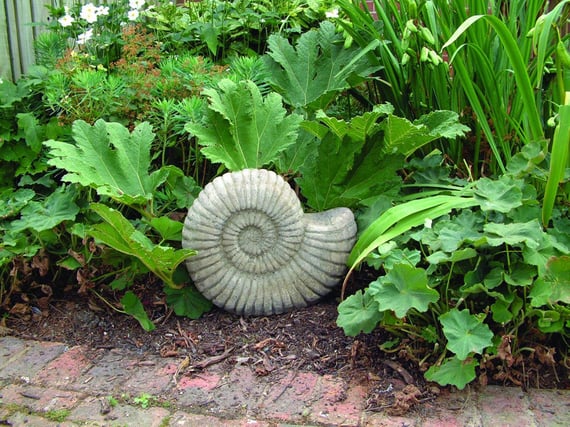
(305, 339)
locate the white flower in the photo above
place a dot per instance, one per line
(89, 13)
(66, 20)
(332, 14)
(427, 223)
(102, 10)
(133, 14)
(85, 37)
(136, 4)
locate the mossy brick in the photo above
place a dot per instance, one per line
(39, 399)
(89, 410)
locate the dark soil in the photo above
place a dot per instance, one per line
(306, 339)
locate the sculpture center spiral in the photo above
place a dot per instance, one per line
(255, 240)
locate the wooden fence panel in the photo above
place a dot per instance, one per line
(19, 28)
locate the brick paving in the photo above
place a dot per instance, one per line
(51, 384)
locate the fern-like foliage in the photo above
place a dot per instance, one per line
(312, 72)
(241, 128)
(109, 158)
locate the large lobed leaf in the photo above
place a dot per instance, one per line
(242, 129)
(315, 68)
(110, 159)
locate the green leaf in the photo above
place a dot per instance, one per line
(403, 288)
(405, 137)
(554, 286)
(358, 313)
(110, 159)
(500, 195)
(59, 206)
(349, 165)
(459, 255)
(187, 301)
(11, 202)
(315, 69)
(453, 372)
(118, 233)
(529, 234)
(465, 333)
(242, 129)
(168, 228)
(133, 306)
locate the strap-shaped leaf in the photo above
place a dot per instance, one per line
(110, 159)
(242, 129)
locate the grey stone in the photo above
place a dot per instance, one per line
(258, 252)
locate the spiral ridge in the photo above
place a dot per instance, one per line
(258, 253)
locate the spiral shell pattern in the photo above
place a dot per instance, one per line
(258, 253)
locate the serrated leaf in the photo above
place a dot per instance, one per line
(59, 206)
(502, 195)
(453, 372)
(465, 333)
(403, 288)
(118, 233)
(109, 158)
(133, 306)
(187, 302)
(554, 285)
(405, 137)
(314, 69)
(243, 129)
(168, 228)
(456, 256)
(358, 313)
(348, 165)
(529, 234)
(11, 202)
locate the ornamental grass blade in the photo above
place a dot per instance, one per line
(559, 160)
(109, 158)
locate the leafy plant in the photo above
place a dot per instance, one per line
(480, 269)
(327, 67)
(357, 161)
(116, 162)
(242, 129)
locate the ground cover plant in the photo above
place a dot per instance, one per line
(444, 127)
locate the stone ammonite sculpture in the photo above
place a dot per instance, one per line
(258, 253)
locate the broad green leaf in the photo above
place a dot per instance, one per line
(187, 301)
(59, 206)
(316, 68)
(403, 288)
(168, 228)
(453, 372)
(405, 137)
(465, 333)
(349, 165)
(554, 286)
(11, 202)
(459, 255)
(529, 234)
(118, 233)
(521, 274)
(500, 195)
(358, 313)
(242, 129)
(109, 158)
(133, 306)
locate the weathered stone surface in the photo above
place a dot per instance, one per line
(258, 252)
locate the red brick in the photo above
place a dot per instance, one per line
(65, 369)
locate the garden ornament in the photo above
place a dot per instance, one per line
(258, 253)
